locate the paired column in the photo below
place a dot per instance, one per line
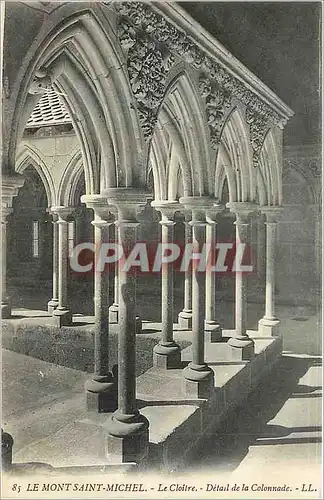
(5, 299)
(62, 315)
(101, 389)
(185, 316)
(53, 303)
(113, 309)
(269, 324)
(212, 327)
(241, 344)
(10, 185)
(128, 429)
(198, 376)
(167, 353)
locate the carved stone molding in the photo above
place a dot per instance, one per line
(258, 128)
(218, 103)
(148, 63)
(165, 37)
(315, 167)
(41, 83)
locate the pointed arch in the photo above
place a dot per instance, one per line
(270, 166)
(223, 169)
(235, 139)
(26, 156)
(181, 117)
(69, 181)
(86, 63)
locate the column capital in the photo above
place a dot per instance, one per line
(213, 213)
(272, 213)
(242, 210)
(5, 211)
(198, 206)
(10, 185)
(128, 201)
(100, 207)
(63, 212)
(167, 209)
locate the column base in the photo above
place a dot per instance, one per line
(6, 450)
(128, 439)
(185, 319)
(113, 313)
(213, 331)
(198, 381)
(167, 355)
(269, 327)
(101, 393)
(5, 310)
(62, 317)
(242, 348)
(52, 305)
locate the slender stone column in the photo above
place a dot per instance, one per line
(53, 303)
(167, 353)
(198, 376)
(242, 345)
(212, 327)
(101, 389)
(269, 324)
(62, 315)
(185, 316)
(10, 185)
(261, 251)
(128, 429)
(113, 309)
(5, 299)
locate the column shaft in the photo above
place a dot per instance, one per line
(126, 322)
(101, 293)
(242, 347)
(269, 324)
(198, 297)
(270, 270)
(185, 316)
(241, 285)
(53, 303)
(128, 429)
(62, 315)
(198, 376)
(5, 300)
(101, 388)
(113, 309)
(63, 263)
(167, 354)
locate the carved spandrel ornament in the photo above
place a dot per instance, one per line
(315, 167)
(259, 127)
(143, 22)
(148, 64)
(218, 103)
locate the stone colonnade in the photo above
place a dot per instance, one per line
(113, 389)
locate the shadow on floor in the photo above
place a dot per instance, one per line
(248, 424)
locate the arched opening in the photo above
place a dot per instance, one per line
(30, 241)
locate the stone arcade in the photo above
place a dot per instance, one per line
(134, 114)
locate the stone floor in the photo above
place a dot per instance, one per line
(277, 429)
